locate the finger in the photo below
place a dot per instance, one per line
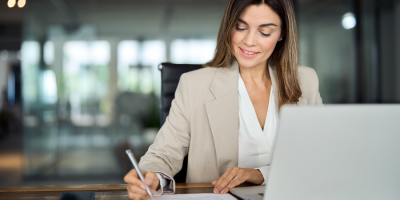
(131, 176)
(225, 190)
(135, 192)
(216, 190)
(239, 179)
(239, 173)
(151, 179)
(225, 174)
(222, 184)
(214, 182)
(228, 171)
(137, 182)
(223, 181)
(132, 179)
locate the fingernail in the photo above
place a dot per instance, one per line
(148, 181)
(143, 187)
(230, 185)
(215, 191)
(153, 191)
(223, 191)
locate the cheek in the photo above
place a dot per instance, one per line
(236, 38)
(268, 46)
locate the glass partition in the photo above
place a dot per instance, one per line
(327, 44)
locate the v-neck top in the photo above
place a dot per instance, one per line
(255, 144)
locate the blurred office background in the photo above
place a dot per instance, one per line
(79, 81)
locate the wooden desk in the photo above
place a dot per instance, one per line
(103, 192)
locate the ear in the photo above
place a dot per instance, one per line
(282, 35)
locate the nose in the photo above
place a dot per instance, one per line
(250, 39)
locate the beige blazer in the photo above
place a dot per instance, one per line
(204, 122)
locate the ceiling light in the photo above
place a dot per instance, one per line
(348, 21)
(21, 3)
(11, 3)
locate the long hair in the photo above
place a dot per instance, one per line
(285, 55)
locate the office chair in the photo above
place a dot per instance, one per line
(170, 74)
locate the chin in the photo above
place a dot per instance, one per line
(246, 63)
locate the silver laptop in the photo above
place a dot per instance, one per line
(334, 152)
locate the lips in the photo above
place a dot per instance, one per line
(247, 53)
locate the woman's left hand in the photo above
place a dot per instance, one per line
(236, 176)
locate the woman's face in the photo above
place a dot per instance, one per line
(255, 36)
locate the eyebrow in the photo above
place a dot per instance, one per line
(262, 25)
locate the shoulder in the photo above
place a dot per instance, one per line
(204, 71)
(308, 76)
(306, 72)
(204, 76)
(309, 83)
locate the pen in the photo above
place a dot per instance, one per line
(136, 166)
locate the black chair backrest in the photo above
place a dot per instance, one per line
(170, 74)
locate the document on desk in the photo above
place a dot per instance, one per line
(208, 196)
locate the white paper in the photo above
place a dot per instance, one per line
(208, 196)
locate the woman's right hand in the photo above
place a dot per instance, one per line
(136, 188)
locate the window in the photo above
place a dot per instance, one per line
(86, 79)
(193, 51)
(137, 65)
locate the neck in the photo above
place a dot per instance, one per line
(256, 74)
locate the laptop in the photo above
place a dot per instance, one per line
(334, 152)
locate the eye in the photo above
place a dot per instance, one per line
(240, 29)
(263, 34)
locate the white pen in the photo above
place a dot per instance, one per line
(136, 166)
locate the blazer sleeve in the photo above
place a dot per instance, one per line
(318, 99)
(171, 144)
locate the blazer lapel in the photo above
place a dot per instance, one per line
(223, 116)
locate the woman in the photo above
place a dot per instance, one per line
(225, 116)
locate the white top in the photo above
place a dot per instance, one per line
(255, 144)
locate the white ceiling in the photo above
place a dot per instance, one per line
(130, 18)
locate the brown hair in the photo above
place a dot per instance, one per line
(284, 56)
